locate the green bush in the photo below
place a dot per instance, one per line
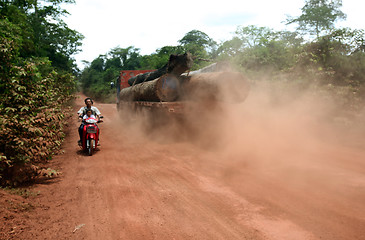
(32, 97)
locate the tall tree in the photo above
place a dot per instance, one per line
(318, 16)
(230, 48)
(198, 43)
(43, 32)
(252, 36)
(160, 57)
(129, 57)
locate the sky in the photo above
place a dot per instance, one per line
(152, 24)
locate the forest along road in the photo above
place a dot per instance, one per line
(259, 182)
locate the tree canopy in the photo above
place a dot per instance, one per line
(42, 31)
(318, 16)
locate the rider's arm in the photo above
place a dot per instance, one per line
(81, 112)
(97, 113)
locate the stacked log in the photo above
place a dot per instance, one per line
(176, 65)
(217, 86)
(216, 82)
(164, 89)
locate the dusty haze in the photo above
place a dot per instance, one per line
(282, 165)
(297, 152)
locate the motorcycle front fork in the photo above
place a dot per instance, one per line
(88, 143)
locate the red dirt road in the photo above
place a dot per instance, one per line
(259, 174)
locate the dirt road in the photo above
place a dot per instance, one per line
(261, 175)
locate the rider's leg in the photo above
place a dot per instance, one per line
(98, 136)
(81, 129)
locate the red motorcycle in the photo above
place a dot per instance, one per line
(90, 135)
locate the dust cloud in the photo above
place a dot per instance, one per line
(277, 127)
(272, 120)
(287, 128)
(297, 152)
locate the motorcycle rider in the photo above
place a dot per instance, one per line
(89, 105)
(82, 112)
(89, 114)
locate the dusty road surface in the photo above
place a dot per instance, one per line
(256, 173)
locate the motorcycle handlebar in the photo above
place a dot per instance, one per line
(82, 120)
(99, 121)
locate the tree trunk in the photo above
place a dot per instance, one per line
(164, 89)
(216, 86)
(176, 65)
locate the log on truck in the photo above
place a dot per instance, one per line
(174, 88)
(216, 86)
(165, 89)
(176, 65)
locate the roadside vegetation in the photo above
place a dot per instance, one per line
(36, 85)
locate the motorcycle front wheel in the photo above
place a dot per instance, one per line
(91, 147)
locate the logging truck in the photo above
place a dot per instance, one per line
(173, 89)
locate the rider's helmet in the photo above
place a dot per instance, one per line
(88, 99)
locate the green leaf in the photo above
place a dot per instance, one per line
(10, 109)
(24, 108)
